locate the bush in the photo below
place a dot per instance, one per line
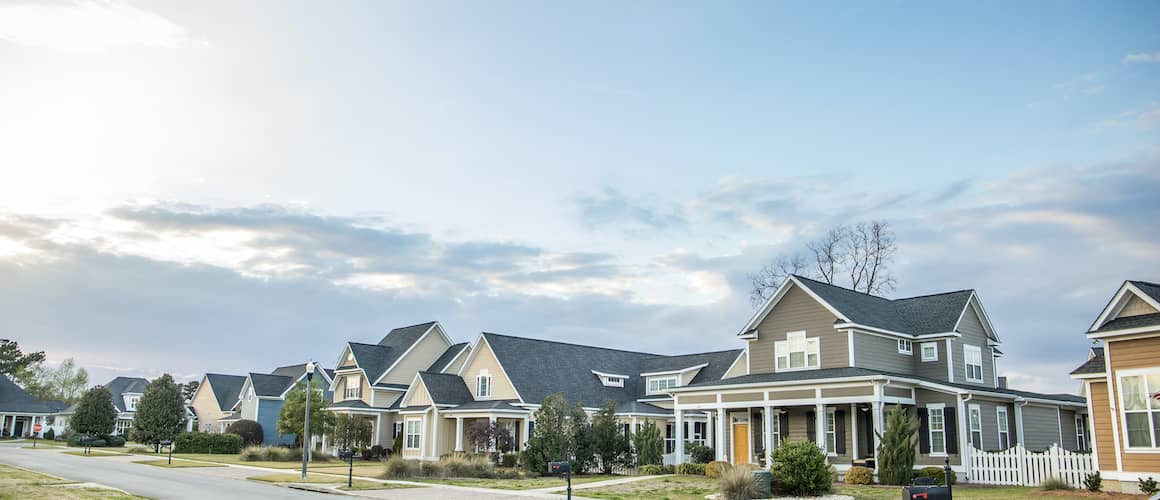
(140, 449)
(432, 469)
(249, 430)
(252, 454)
(937, 474)
(1053, 484)
(510, 459)
(714, 469)
(1093, 482)
(397, 446)
(896, 447)
(655, 470)
(397, 468)
(859, 475)
(99, 443)
(465, 465)
(701, 454)
(737, 483)
(800, 469)
(115, 441)
(376, 452)
(1147, 486)
(50, 434)
(691, 469)
(202, 442)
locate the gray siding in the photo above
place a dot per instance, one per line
(881, 353)
(1040, 427)
(797, 311)
(973, 334)
(1067, 420)
(931, 369)
(922, 398)
(249, 405)
(990, 420)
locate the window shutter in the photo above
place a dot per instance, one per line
(784, 424)
(952, 430)
(840, 431)
(811, 427)
(923, 432)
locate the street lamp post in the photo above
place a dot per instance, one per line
(306, 427)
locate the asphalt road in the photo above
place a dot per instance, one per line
(146, 480)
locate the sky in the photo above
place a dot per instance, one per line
(223, 186)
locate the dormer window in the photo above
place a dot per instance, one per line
(659, 385)
(131, 403)
(483, 384)
(610, 379)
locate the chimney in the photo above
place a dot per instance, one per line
(1002, 382)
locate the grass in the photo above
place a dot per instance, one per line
(95, 453)
(233, 459)
(321, 479)
(961, 492)
(661, 488)
(511, 484)
(19, 483)
(177, 463)
(366, 469)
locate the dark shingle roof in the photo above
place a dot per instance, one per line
(125, 385)
(920, 315)
(374, 359)
(718, 363)
(1126, 322)
(497, 404)
(445, 388)
(447, 356)
(639, 408)
(270, 385)
(226, 389)
(294, 371)
(1094, 364)
(350, 404)
(14, 399)
(1152, 289)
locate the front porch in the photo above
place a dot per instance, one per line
(22, 424)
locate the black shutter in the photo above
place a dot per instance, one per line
(952, 430)
(868, 424)
(784, 425)
(811, 427)
(923, 432)
(840, 431)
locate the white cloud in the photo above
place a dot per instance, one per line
(1143, 57)
(90, 26)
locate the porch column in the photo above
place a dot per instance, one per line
(324, 443)
(435, 432)
(767, 417)
(12, 427)
(820, 423)
(854, 426)
(679, 437)
(1019, 423)
(458, 433)
(491, 445)
(526, 432)
(378, 430)
(722, 453)
(710, 430)
(878, 426)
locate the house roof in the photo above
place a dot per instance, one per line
(125, 385)
(1126, 322)
(718, 363)
(270, 385)
(447, 356)
(1151, 289)
(638, 408)
(375, 359)
(1094, 364)
(14, 399)
(491, 404)
(445, 388)
(925, 314)
(226, 388)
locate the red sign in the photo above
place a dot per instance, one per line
(37, 427)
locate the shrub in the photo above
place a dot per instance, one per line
(99, 443)
(1054, 483)
(1147, 486)
(397, 446)
(202, 442)
(691, 469)
(1093, 482)
(140, 449)
(510, 459)
(800, 469)
(376, 452)
(701, 454)
(937, 474)
(465, 465)
(50, 434)
(397, 468)
(737, 483)
(249, 430)
(896, 448)
(655, 470)
(713, 469)
(432, 469)
(75, 439)
(115, 441)
(252, 454)
(648, 444)
(859, 475)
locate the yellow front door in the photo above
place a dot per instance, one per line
(740, 443)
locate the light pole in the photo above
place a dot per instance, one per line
(306, 427)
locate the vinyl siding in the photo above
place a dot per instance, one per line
(990, 422)
(422, 354)
(484, 359)
(458, 362)
(922, 398)
(206, 406)
(1067, 421)
(1136, 307)
(340, 388)
(249, 404)
(931, 369)
(797, 311)
(737, 369)
(419, 396)
(1101, 421)
(975, 335)
(269, 411)
(1129, 354)
(880, 353)
(1040, 427)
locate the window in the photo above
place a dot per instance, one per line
(831, 434)
(131, 403)
(483, 384)
(398, 430)
(974, 359)
(796, 352)
(658, 385)
(929, 351)
(938, 444)
(610, 381)
(976, 421)
(353, 387)
(905, 347)
(413, 433)
(1141, 409)
(1080, 433)
(699, 432)
(1004, 436)
(775, 435)
(670, 439)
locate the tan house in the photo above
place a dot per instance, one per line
(1121, 379)
(215, 400)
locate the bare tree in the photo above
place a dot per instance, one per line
(828, 252)
(771, 275)
(881, 251)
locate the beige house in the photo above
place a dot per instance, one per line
(215, 400)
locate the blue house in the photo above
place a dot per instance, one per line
(262, 395)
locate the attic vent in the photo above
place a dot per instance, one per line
(611, 380)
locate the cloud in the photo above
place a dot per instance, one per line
(90, 26)
(1146, 116)
(951, 191)
(1142, 57)
(611, 207)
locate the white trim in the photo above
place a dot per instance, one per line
(760, 314)
(743, 353)
(433, 326)
(969, 349)
(671, 372)
(462, 350)
(970, 429)
(407, 433)
(1116, 305)
(1111, 388)
(416, 381)
(941, 407)
(817, 340)
(610, 375)
(975, 303)
(1154, 437)
(950, 361)
(475, 351)
(849, 347)
(1139, 332)
(1001, 416)
(909, 351)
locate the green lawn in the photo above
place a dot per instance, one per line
(364, 469)
(321, 479)
(961, 492)
(235, 460)
(177, 463)
(512, 484)
(95, 453)
(661, 488)
(19, 483)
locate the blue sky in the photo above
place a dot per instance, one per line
(280, 178)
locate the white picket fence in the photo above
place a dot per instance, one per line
(1019, 467)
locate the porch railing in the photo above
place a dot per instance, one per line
(1020, 467)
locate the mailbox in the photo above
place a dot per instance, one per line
(924, 488)
(345, 453)
(559, 467)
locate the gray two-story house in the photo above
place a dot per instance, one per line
(824, 363)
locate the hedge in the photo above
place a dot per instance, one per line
(203, 442)
(687, 469)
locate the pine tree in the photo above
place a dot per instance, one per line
(95, 414)
(650, 448)
(609, 442)
(896, 449)
(160, 413)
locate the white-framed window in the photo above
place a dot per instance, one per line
(775, 435)
(1140, 408)
(929, 351)
(412, 438)
(797, 352)
(1080, 433)
(483, 384)
(250, 394)
(353, 387)
(831, 433)
(975, 419)
(937, 429)
(398, 430)
(610, 381)
(658, 385)
(1004, 434)
(973, 358)
(131, 403)
(670, 438)
(905, 347)
(700, 432)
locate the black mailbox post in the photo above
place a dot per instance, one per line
(348, 455)
(562, 467)
(168, 443)
(87, 442)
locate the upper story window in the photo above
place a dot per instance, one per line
(658, 385)
(483, 384)
(353, 387)
(929, 351)
(973, 357)
(610, 381)
(905, 347)
(131, 403)
(1140, 408)
(797, 352)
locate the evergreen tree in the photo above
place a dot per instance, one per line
(95, 414)
(650, 447)
(14, 362)
(350, 431)
(188, 389)
(896, 448)
(557, 435)
(291, 419)
(609, 442)
(160, 413)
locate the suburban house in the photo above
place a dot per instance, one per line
(823, 363)
(20, 412)
(215, 399)
(126, 392)
(371, 378)
(1121, 379)
(261, 397)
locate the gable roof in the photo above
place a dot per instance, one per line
(15, 399)
(1095, 363)
(270, 385)
(445, 388)
(226, 389)
(716, 364)
(375, 359)
(1146, 291)
(447, 357)
(1149, 289)
(120, 386)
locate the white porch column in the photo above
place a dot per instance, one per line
(679, 437)
(1019, 423)
(854, 427)
(878, 428)
(378, 431)
(710, 430)
(526, 432)
(12, 427)
(722, 453)
(458, 433)
(435, 432)
(820, 423)
(767, 428)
